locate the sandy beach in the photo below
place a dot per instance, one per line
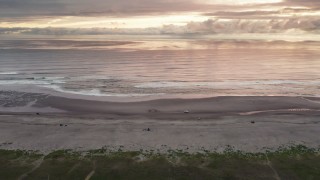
(44, 122)
(159, 90)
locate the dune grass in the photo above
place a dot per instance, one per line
(297, 162)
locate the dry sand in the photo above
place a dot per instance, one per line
(246, 123)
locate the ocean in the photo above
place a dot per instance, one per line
(162, 66)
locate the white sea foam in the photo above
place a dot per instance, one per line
(9, 73)
(224, 84)
(93, 92)
(34, 81)
(23, 82)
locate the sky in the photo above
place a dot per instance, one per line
(154, 17)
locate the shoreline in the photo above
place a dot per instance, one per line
(32, 89)
(26, 101)
(251, 124)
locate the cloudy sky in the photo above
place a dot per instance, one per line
(159, 16)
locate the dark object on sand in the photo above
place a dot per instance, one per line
(148, 129)
(252, 122)
(61, 124)
(153, 111)
(37, 113)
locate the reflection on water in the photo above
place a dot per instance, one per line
(209, 67)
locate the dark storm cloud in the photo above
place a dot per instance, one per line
(25, 8)
(306, 3)
(22, 8)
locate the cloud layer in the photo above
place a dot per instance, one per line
(211, 26)
(224, 16)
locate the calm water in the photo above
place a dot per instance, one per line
(154, 67)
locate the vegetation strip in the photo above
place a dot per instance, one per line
(298, 162)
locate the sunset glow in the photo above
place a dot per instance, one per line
(232, 2)
(158, 17)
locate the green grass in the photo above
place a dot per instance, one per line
(296, 162)
(15, 163)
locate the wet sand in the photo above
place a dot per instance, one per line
(43, 122)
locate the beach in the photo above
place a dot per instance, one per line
(160, 90)
(43, 122)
